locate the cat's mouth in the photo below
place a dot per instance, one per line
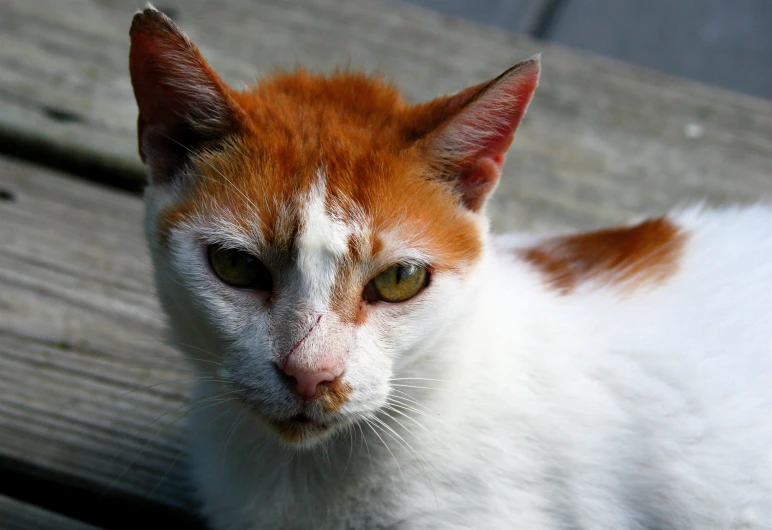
(299, 427)
(306, 425)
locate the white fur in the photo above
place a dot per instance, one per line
(323, 241)
(651, 409)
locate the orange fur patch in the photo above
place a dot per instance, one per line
(333, 395)
(645, 254)
(360, 132)
(357, 129)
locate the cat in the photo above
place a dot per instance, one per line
(369, 356)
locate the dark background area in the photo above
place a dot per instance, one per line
(727, 43)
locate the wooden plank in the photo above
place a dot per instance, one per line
(602, 141)
(727, 43)
(80, 331)
(17, 515)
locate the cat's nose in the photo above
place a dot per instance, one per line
(305, 383)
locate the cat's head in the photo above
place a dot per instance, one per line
(313, 236)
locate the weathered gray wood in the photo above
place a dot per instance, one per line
(17, 515)
(520, 16)
(722, 42)
(80, 330)
(602, 141)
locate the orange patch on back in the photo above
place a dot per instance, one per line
(645, 254)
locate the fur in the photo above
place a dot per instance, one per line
(616, 379)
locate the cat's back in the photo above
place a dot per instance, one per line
(688, 289)
(661, 333)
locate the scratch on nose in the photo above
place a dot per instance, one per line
(300, 341)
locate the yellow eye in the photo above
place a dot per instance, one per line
(239, 268)
(397, 283)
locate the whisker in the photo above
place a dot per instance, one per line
(391, 408)
(422, 426)
(185, 344)
(416, 411)
(420, 460)
(153, 438)
(424, 387)
(181, 451)
(170, 381)
(236, 424)
(419, 379)
(364, 438)
(350, 433)
(402, 441)
(404, 396)
(372, 428)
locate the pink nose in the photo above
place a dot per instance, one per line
(306, 383)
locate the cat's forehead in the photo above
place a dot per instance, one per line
(356, 210)
(321, 160)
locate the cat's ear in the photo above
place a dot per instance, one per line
(472, 130)
(182, 102)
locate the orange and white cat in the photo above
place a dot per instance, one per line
(369, 356)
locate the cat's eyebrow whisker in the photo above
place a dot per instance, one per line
(220, 173)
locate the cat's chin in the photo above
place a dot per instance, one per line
(300, 431)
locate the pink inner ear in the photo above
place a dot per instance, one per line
(172, 82)
(182, 102)
(479, 180)
(158, 105)
(474, 142)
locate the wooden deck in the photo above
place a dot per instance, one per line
(92, 400)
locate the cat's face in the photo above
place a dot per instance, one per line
(313, 236)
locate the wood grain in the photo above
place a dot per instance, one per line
(602, 141)
(88, 389)
(17, 515)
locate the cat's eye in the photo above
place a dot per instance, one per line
(238, 268)
(397, 284)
